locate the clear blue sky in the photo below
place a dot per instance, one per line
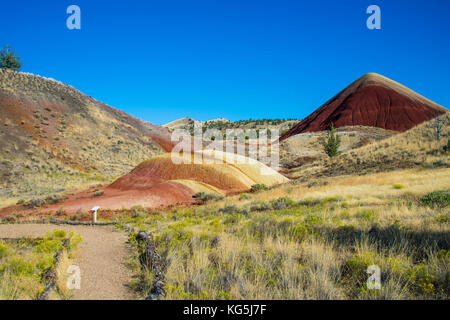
(163, 59)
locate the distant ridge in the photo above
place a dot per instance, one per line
(375, 101)
(179, 123)
(182, 123)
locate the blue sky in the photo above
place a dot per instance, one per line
(161, 60)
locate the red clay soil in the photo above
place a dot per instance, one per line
(157, 195)
(373, 101)
(147, 185)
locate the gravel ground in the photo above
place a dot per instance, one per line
(101, 256)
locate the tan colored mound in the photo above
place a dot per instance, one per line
(197, 187)
(226, 175)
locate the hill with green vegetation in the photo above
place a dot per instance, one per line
(223, 124)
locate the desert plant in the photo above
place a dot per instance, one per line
(205, 197)
(447, 147)
(332, 142)
(260, 206)
(258, 187)
(244, 196)
(35, 203)
(440, 199)
(60, 212)
(55, 198)
(9, 60)
(230, 208)
(98, 193)
(282, 203)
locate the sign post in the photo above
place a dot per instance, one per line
(94, 213)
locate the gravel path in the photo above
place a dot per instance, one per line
(101, 256)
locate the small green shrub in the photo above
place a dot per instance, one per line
(398, 186)
(332, 199)
(358, 263)
(442, 218)
(17, 266)
(55, 198)
(299, 232)
(282, 203)
(99, 193)
(310, 202)
(344, 214)
(205, 197)
(244, 196)
(3, 250)
(35, 203)
(260, 206)
(436, 199)
(367, 215)
(61, 234)
(313, 219)
(139, 211)
(258, 188)
(231, 208)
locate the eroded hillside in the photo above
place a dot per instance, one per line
(53, 137)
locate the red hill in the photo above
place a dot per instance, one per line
(374, 101)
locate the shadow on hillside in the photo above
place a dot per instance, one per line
(416, 242)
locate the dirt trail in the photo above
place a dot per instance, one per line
(101, 256)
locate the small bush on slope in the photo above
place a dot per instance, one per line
(205, 197)
(439, 199)
(258, 188)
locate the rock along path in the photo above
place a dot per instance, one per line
(101, 256)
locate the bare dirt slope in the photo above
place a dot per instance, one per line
(373, 101)
(102, 256)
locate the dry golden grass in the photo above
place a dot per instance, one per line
(372, 188)
(62, 291)
(316, 244)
